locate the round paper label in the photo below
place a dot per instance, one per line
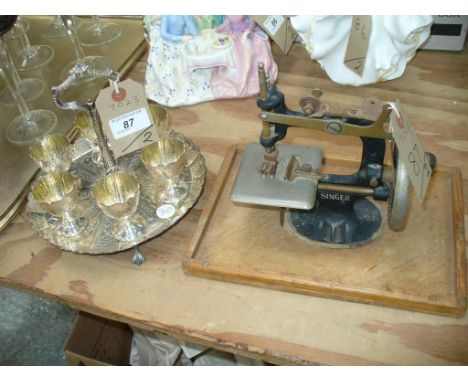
(165, 211)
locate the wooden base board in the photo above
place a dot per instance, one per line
(422, 268)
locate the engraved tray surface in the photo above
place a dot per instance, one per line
(96, 238)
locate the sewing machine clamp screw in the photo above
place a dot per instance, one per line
(334, 128)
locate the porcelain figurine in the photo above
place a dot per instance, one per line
(166, 80)
(393, 43)
(208, 22)
(178, 28)
(251, 46)
(194, 59)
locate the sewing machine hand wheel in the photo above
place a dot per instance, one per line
(331, 209)
(398, 202)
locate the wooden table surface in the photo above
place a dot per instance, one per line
(277, 326)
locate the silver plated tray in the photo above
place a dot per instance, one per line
(96, 238)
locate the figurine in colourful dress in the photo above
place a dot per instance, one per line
(194, 59)
(251, 46)
(166, 81)
(178, 28)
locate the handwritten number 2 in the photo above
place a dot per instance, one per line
(147, 135)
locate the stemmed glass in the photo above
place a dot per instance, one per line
(93, 62)
(56, 28)
(14, 32)
(29, 88)
(99, 33)
(30, 56)
(31, 124)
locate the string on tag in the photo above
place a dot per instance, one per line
(118, 94)
(114, 84)
(394, 107)
(126, 116)
(399, 118)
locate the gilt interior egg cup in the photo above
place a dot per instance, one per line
(84, 124)
(57, 194)
(165, 161)
(52, 153)
(117, 195)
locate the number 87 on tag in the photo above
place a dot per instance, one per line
(126, 118)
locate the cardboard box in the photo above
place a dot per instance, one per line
(96, 341)
(279, 28)
(447, 33)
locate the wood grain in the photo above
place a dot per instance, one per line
(274, 325)
(247, 244)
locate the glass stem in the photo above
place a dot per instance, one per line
(20, 102)
(11, 79)
(9, 65)
(77, 45)
(58, 23)
(96, 24)
(69, 24)
(26, 45)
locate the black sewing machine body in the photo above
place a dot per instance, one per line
(341, 211)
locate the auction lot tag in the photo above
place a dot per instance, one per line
(358, 44)
(273, 24)
(129, 123)
(279, 28)
(126, 117)
(411, 150)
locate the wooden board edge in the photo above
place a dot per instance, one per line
(459, 239)
(193, 266)
(197, 336)
(219, 273)
(209, 208)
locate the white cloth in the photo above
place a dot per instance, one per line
(153, 349)
(393, 42)
(157, 349)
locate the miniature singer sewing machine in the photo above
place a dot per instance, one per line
(330, 209)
